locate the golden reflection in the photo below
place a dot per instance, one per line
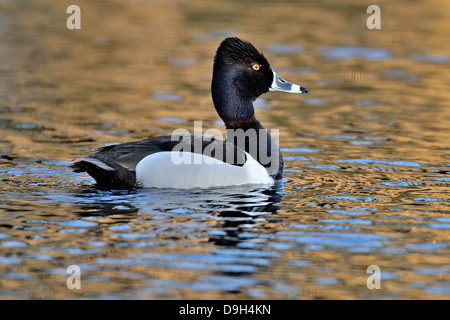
(64, 92)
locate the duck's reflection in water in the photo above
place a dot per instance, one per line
(226, 214)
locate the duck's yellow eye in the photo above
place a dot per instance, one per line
(256, 67)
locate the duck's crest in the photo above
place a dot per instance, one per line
(235, 51)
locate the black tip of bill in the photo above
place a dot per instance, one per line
(279, 84)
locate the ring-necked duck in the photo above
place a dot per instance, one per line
(249, 155)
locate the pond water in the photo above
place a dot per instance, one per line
(367, 152)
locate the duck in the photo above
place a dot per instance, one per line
(248, 156)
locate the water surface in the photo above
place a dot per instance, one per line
(367, 165)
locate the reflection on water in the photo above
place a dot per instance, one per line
(342, 53)
(366, 153)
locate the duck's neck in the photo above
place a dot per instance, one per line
(250, 135)
(233, 107)
(244, 124)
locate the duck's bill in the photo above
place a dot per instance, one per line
(279, 84)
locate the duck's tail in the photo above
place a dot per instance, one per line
(105, 174)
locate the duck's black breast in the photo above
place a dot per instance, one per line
(116, 164)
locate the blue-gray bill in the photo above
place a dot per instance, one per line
(279, 84)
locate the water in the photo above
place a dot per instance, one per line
(367, 178)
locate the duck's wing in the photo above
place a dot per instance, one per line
(116, 164)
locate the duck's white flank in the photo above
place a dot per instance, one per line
(159, 170)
